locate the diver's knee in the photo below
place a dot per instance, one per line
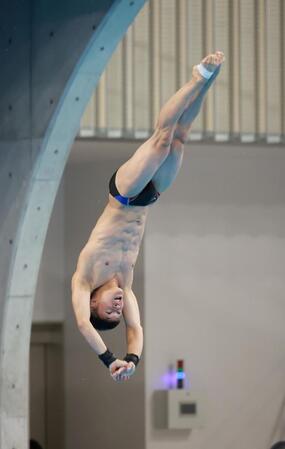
(180, 135)
(162, 138)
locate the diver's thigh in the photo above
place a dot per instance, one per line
(136, 173)
(168, 171)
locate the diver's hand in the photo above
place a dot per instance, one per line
(117, 367)
(125, 373)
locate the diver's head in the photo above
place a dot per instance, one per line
(106, 306)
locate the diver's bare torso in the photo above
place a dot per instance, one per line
(113, 246)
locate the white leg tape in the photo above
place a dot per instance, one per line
(204, 72)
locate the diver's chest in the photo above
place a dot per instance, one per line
(118, 263)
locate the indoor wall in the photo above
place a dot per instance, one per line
(214, 287)
(98, 411)
(210, 283)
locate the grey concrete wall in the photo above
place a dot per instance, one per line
(214, 294)
(15, 127)
(52, 58)
(49, 297)
(98, 412)
(38, 57)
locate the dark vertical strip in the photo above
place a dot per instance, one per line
(124, 85)
(178, 46)
(282, 58)
(260, 56)
(151, 48)
(204, 22)
(256, 75)
(257, 5)
(133, 80)
(150, 67)
(230, 73)
(160, 54)
(46, 395)
(204, 46)
(265, 73)
(32, 156)
(238, 73)
(214, 48)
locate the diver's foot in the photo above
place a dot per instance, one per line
(208, 66)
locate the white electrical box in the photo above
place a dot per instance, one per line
(179, 409)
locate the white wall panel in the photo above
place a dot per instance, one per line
(214, 294)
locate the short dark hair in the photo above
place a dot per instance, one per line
(102, 325)
(34, 444)
(279, 445)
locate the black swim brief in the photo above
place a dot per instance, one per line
(147, 196)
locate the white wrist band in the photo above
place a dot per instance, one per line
(204, 72)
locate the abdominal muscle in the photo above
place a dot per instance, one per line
(114, 243)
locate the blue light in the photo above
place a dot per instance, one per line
(180, 375)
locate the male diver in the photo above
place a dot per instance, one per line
(102, 283)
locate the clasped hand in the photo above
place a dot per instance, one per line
(121, 370)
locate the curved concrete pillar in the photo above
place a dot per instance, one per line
(67, 48)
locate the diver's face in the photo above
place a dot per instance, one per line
(108, 303)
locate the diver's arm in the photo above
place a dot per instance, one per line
(81, 305)
(134, 334)
(134, 330)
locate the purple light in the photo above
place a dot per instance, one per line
(169, 380)
(172, 377)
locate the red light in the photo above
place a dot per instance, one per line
(180, 364)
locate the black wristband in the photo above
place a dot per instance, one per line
(132, 358)
(107, 358)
